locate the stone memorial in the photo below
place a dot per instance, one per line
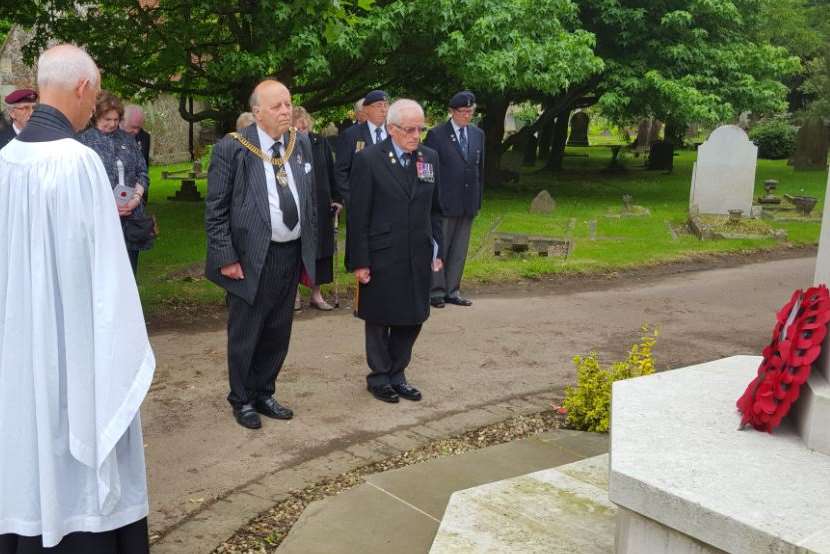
(661, 156)
(579, 129)
(686, 480)
(723, 177)
(811, 145)
(543, 203)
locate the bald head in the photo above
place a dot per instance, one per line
(69, 81)
(64, 66)
(133, 120)
(271, 106)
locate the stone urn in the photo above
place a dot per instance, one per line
(805, 204)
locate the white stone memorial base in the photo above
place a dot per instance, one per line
(688, 481)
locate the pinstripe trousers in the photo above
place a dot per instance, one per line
(258, 334)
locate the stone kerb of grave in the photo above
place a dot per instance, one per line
(723, 177)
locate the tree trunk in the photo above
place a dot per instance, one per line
(675, 132)
(493, 126)
(530, 143)
(546, 139)
(560, 139)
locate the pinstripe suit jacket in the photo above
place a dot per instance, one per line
(237, 216)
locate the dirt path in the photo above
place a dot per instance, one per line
(514, 343)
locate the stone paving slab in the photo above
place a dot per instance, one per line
(363, 520)
(554, 511)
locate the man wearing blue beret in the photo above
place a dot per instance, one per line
(460, 147)
(359, 136)
(19, 106)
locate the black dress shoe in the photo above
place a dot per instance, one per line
(407, 391)
(437, 302)
(384, 392)
(271, 408)
(458, 301)
(247, 417)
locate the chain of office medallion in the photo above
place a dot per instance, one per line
(278, 162)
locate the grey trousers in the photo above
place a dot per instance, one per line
(447, 282)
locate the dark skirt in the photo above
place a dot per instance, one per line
(131, 539)
(325, 271)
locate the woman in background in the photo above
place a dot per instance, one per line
(329, 204)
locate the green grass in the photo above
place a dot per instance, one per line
(582, 192)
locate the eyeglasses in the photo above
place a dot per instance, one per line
(25, 108)
(410, 130)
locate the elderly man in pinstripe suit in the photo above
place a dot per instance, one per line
(261, 225)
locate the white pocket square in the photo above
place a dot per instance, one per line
(308, 167)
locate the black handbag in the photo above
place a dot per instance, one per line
(140, 231)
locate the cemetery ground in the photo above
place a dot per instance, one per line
(500, 365)
(173, 288)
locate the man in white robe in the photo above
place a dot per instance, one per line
(75, 361)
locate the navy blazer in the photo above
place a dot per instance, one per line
(462, 181)
(350, 141)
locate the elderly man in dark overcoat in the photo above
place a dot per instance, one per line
(395, 245)
(261, 225)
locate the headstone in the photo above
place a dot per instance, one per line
(579, 129)
(811, 145)
(723, 177)
(661, 156)
(543, 203)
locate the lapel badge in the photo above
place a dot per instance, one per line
(359, 145)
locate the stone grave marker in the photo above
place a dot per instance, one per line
(723, 177)
(543, 203)
(579, 129)
(811, 145)
(661, 156)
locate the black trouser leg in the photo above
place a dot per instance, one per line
(258, 334)
(388, 352)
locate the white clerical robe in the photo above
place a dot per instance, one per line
(75, 361)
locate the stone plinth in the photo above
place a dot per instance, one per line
(690, 478)
(812, 412)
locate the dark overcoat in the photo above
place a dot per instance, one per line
(394, 216)
(7, 134)
(325, 193)
(462, 180)
(237, 215)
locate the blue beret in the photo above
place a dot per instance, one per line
(21, 95)
(375, 96)
(463, 99)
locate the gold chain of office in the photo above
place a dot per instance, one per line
(276, 162)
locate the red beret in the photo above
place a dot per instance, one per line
(21, 95)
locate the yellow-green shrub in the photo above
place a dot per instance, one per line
(589, 403)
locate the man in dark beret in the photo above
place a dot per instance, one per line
(19, 106)
(357, 137)
(460, 147)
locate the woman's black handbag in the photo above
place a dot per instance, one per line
(140, 231)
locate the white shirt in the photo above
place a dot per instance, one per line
(279, 232)
(16, 130)
(75, 362)
(372, 128)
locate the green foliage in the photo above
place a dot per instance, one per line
(589, 403)
(817, 84)
(5, 27)
(775, 139)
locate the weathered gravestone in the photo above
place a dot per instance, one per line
(579, 129)
(661, 156)
(811, 145)
(723, 176)
(543, 203)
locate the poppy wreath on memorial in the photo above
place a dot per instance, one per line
(800, 329)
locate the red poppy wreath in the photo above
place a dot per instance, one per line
(800, 328)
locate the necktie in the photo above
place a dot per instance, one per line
(287, 204)
(463, 139)
(378, 138)
(405, 159)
